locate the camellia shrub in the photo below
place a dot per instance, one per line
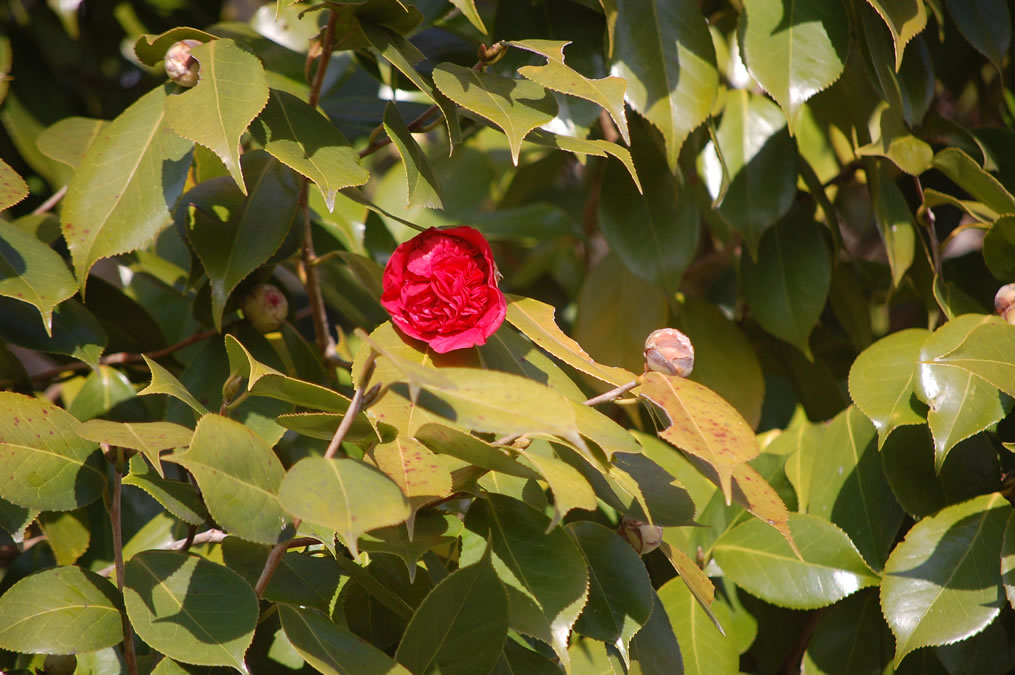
(491, 336)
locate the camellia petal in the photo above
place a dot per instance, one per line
(441, 287)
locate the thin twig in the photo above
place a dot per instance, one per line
(211, 536)
(129, 655)
(929, 221)
(275, 557)
(53, 200)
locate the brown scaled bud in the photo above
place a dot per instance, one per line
(669, 351)
(265, 308)
(1004, 302)
(643, 537)
(181, 67)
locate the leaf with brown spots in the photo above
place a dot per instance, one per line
(421, 474)
(703, 424)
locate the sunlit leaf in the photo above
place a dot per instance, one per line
(179, 498)
(704, 649)
(904, 19)
(13, 187)
(421, 183)
(164, 382)
(987, 353)
(148, 437)
(69, 139)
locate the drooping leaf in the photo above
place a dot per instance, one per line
(795, 50)
(47, 464)
(665, 53)
(179, 498)
(331, 649)
(762, 563)
(704, 649)
(881, 381)
(190, 608)
(544, 573)
(971, 177)
(62, 610)
(305, 141)
(13, 187)
(344, 495)
(536, 321)
(516, 106)
(620, 593)
(422, 187)
(239, 476)
(164, 382)
(986, 24)
(941, 584)
(148, 437)
(121, 195)
(32, 272)
(961, 403)
(229, 94)
(896, 225)
(607, 92)
(788, 284)
(68, 140)
(904, 19)
(461, 625)
(759, 154)
(702, 424)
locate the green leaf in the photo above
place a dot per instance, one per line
(961, 403)
(851, 637)
(62, 610)
(665, 53)
(941, 583)
(986, 24)
(419, 474)
(15, 519)
(654, 649)
(570, 489)
(180, 499)
(904, 19)
(999, 248)
(760, 157)
(324, 425)
(13, 187)
(787, 285)
(468, 448)
(762, 563)
(971, 177)
(584, 146)
(331, 649)
(69, 140)
(664, 242)
(620, 593)
(306, 141)
(239, 476)
(616, 312)
(987, 353)
(543, 571)
(608, 92)
(724, 359)
(702, 424)
(66, 533)
(422, 187)
(126, 184)
(302, 579)
(468, 10)
(896, 225)
(837, 475)
(32, 272)
(881, 381)
(892, 139)
(75, 332)
(461, 625)
(103, 391)
(151, 49)
(148, 437)
(704, 649)
(46, 464)
(430, 530)
(164, 382)
(516, 106)
(795, 50)
(536, 321)
(1008, 560)
(344, 495)
(233, 235)
(231, 92)
(189, 608)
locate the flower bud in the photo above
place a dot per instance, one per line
(1004, 302)
(644, 538)
(669, 351)
(265, 308)
(181, 67)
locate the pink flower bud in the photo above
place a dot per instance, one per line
(643, 537)
(1004, 302)
(669, 351)
(181, 67)
(265, 308)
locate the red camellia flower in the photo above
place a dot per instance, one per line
(441, 287)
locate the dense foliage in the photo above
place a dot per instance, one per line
(218, 450)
